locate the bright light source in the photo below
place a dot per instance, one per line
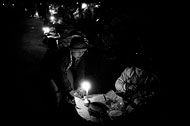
(84, 6)
(52, 11)
(97, 6)
(52, 18)
(46, 29)
(86, 86)
(36, 14)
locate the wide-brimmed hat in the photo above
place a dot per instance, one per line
(78, 43)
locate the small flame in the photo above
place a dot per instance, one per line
(85, 86)
(46, 29)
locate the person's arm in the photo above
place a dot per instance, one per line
(62, 81)
(120, 83)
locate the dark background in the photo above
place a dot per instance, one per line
(133, 26)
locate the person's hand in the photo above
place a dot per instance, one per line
(72, 92)
(80, 93)
(70, 98)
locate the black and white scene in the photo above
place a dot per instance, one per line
(84, 62)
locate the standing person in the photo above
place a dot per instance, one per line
(63, 68)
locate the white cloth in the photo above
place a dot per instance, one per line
(82, 110)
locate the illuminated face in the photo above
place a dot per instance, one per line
(78, 53)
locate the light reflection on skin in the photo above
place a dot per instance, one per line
(78, 53)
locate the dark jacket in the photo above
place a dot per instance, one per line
(59, 65)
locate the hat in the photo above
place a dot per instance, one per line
(78, 43)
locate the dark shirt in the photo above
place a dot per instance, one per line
(57, 64)
(78, 71)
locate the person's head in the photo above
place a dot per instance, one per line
(78, 47)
